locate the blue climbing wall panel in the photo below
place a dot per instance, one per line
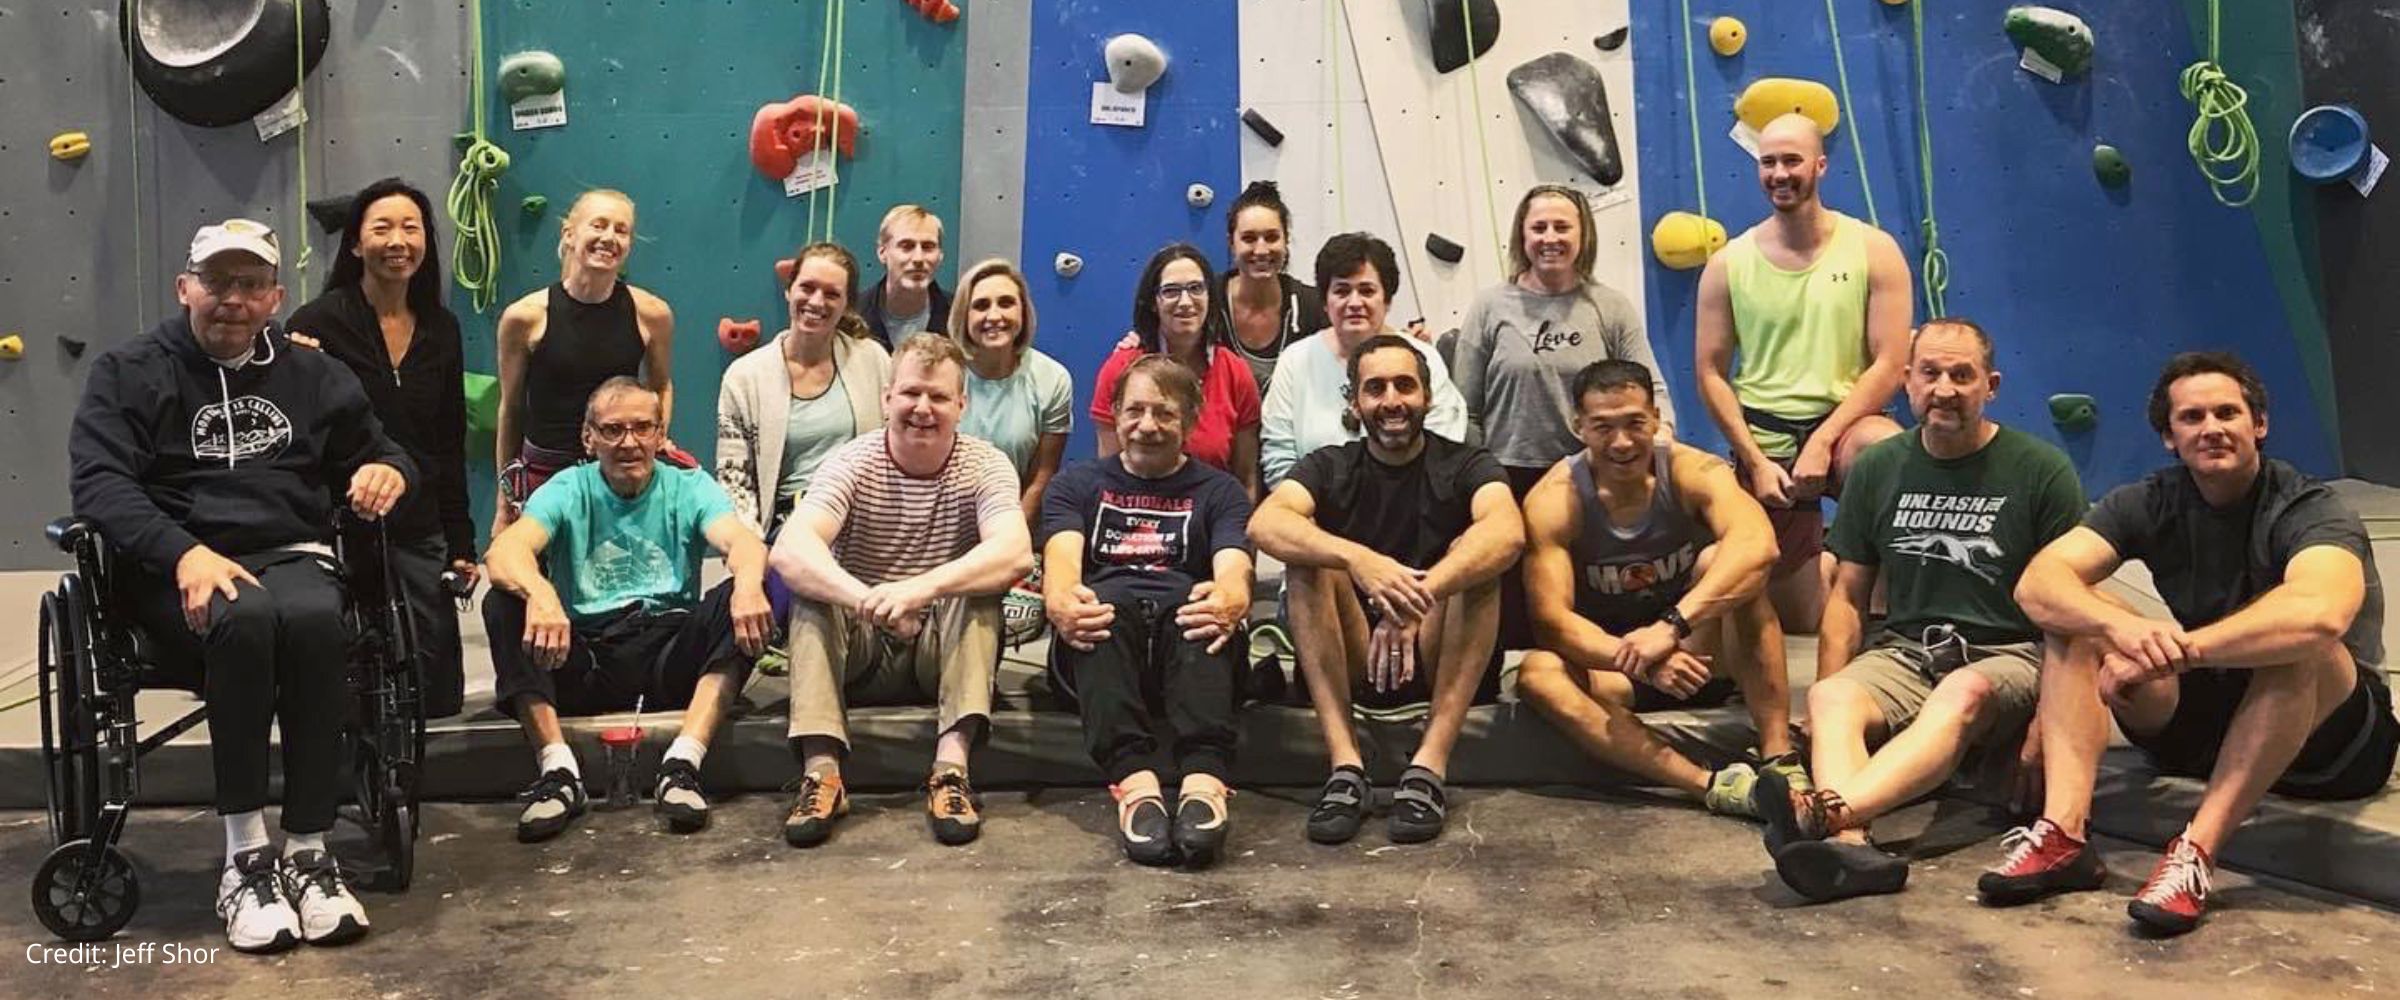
(1114, 195)
(2084, 289)
(660, 94)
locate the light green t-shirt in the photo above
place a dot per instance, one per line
(1014, 412)
(1801, 335)
(812, 429)
(608, 553)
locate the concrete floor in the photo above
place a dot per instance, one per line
(1528, 895)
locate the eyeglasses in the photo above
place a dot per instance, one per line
(617, 433)
(1196, 291)
(222, 283)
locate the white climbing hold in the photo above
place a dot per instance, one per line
(1199, 195)
(1134, 63)
(1067, 265)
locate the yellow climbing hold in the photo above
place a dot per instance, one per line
(1727, 35)
(1683, 241)
(70, 146)
(1775, 96)
(12, 347)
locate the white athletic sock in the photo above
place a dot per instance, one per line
(687, 749)
(558, 755)
(245, 831)
(294, 843)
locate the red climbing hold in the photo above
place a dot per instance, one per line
(936, 11)
(780, 134)
(737, 336)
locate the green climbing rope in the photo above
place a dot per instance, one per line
(1691, 112)
(1934, 266)
(1466, 17)
(2223, 141)
(1858, 146)
(475, 254)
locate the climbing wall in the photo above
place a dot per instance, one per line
(2346, 54)
(1457, 151)
(2085, 288)
(89, 250)
(1112, 194)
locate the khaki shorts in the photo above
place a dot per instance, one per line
(1897, 675)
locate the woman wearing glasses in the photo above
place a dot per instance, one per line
(1173, 312)
(1018, 399)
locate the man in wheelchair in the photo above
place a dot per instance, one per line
(619, 618)
(209, 454)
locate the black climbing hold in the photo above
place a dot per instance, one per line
(1265, 129)
(72, 347)
(1450, 43)
(331, 214)
(1442, 249)
(1568, 97)
(1612, 41)
(207, 64)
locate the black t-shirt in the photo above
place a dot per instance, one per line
(1150, 539)
(1409, 512)
(2209, 562)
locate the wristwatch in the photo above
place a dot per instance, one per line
(1674, 617)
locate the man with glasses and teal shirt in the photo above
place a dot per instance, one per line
(1948, 514)
(619, 620)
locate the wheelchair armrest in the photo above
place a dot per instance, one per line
(69, 531)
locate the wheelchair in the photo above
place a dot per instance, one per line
(94, 660)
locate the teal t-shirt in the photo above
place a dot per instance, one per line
(1952, 535)
(608, 553)
(812, 429)
(1013, 413)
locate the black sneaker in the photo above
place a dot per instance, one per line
(552, 802)
(1418, 807)
(678, 797)
(1341, 807)
(1826, 870)
(1144, 830)
(1200, 827)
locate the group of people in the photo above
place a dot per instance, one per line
(892, 462)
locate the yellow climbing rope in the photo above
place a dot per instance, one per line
(475, 252)
(1934, 265)
(300, 220)
(2223, 142)
(1858, 147)
(828, 117)
(1491, 214)
(1691, 112)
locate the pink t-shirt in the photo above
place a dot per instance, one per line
(1229, 403)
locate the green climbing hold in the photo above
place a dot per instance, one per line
(2074, 412)
(2059, 38)
(528, 73)
(534, 204)
(483, 407)
(2110, 166)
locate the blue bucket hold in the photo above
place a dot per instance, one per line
(2329, 142)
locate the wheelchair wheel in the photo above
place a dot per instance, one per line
(85, 895)
(398, 833)
(69, 677)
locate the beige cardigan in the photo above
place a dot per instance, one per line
(753, 399)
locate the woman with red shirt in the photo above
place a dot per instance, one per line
(1175, 309)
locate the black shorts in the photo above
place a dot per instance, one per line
(1716, 692)
(1418, 692)
(2349, 756)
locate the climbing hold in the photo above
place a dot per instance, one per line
(529, 73)
(1683, 241)
(70, 146)
(330, 214)
(483, 405)
(1134, 63)
(1443, 249)
(2074, 412)
(1772, 97)
(2109, 165)
(785, 267)
(1567, 96)
(12, 347)
(1066, 264)
(737, 336)
(2329, 142)
(221, 63)
(1727, 35)
(1265, 129)
(72, 347)
(2059, 38)
(1199, 195)
(1612, 41)
(1448, 27)
(780, 134)
(936, 11)
(534, 205)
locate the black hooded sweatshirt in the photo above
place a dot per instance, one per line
(420, 401)
(171, 449)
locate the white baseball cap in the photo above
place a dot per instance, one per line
(235, 234)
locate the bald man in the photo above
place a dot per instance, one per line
(1817, 305)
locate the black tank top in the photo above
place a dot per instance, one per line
(1626, 577)
(582, 346)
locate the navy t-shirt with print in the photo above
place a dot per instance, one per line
(1147, 539)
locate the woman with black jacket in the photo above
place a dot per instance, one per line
(382, 315)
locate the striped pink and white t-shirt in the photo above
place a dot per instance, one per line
(894, 525)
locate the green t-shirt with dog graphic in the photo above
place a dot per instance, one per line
(1952, 535)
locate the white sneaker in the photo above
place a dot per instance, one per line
(250, 898)
(329, 913)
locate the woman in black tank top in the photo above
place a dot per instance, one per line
(560, 343)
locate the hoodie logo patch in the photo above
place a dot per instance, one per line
(247, 428)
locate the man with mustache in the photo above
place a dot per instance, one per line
(897, 558)
(1394, 545)
(210, 454)
(2268, 678)
(1818, 305)
(1948, 515)
(907, 301)
(1646, 568)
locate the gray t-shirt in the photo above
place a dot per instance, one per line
(1518, 354)
(904, 327)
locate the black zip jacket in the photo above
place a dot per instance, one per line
(421, 401)
(172, 450)
(870, 309)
